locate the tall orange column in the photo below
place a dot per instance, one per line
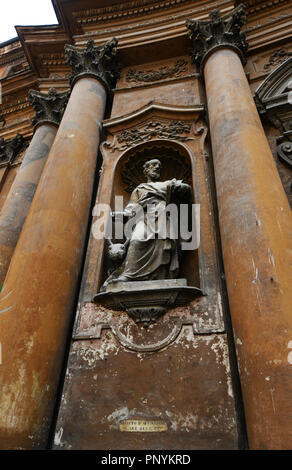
(256, 233)
(40, 287)
(49, 108)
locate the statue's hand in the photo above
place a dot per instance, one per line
(182, 192)
(121, 215)
(181, 187)
(129, 213)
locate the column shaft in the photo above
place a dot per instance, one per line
(17, 204)
(255, 224)
(40, 287)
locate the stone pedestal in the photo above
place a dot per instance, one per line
(147, 301)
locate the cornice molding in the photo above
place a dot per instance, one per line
(57, 58)
(256, 6)
(124, 10)
(10, 108)
(96, 61)
(49, 107)
(7, 59)
(152, 107)
(267, 22)
(176, 18)
(217, 33)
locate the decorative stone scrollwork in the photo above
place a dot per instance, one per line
(285, 148)
(278, 56)
(272, 97)
(10, 148)
(146, 76)
(49, 107)
(220, 31)
(97, 61)
(170, 130)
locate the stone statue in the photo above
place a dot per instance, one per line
(152, 249)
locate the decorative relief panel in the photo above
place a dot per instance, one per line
(260, 65)
(149, 76)
(276, 58)
(173, 130)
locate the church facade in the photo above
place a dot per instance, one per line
(116, 339)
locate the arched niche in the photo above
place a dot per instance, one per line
(177, 162)
(272, 97)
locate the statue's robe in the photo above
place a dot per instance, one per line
(153, 251)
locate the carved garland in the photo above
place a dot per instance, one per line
(162, 73)
(172, 130)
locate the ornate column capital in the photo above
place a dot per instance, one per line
(10, 148)
(219, 32)
(96, 61)
(49, 107)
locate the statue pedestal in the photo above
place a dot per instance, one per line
(146, 301)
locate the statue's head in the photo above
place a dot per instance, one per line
(152, 169)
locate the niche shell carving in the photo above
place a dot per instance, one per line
(143, 278)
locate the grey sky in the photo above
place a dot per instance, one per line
(25, 13)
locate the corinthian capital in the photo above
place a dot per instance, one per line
(219, 32)
(49, 107)
(10, 148)
(96, 61)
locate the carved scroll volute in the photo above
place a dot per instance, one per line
(285, 152)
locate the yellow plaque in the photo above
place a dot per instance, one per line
(141, 425)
